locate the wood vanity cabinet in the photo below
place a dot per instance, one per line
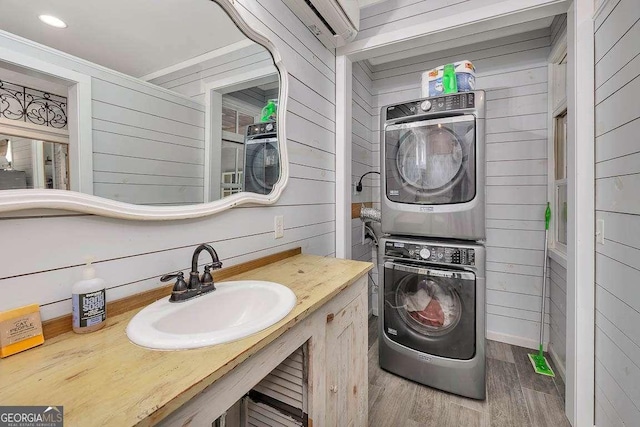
(335, 336)
(346, 370)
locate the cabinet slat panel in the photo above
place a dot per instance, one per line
(286, 382)
(293, 401)
(260, 415)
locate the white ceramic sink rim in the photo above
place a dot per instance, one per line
(158, 326)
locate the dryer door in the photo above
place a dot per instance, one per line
(431, 161)
(430, 310)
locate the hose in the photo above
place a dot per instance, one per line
(370, 214)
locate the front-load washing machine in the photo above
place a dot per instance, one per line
(433, 167)
(432, 313)
(261, 158)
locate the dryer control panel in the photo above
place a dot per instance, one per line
(431, 253)
(458, 101)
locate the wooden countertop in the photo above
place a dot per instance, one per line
(102, 379)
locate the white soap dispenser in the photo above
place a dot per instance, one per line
(89, 302)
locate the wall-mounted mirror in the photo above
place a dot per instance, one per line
(158, 103)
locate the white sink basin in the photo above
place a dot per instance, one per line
(231, 312)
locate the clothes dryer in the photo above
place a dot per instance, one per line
(433, 167)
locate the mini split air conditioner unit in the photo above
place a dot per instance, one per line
(333, 22)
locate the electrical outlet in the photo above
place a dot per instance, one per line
(278, 225)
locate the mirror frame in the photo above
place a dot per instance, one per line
(21, 200)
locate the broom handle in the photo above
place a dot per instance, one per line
(547, 217)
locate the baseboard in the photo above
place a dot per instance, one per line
(556, 361)
(514, 340)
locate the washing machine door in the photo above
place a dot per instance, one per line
(261, 165)
(431, 161)
(430, 310)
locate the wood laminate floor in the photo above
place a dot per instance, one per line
(516, 396)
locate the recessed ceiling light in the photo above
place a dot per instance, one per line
(53, 21)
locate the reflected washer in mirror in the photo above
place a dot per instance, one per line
(261, 162)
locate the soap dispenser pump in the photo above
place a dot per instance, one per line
(89, 303)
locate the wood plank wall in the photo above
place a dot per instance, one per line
(392, 15)
(363, 159)
(190, 81)
(558, 313)
(617, 72)
(513, 72)
(146, 149)
(22, 154)
(46, 254)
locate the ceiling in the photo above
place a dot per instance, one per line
(445, 41)
(135, 37)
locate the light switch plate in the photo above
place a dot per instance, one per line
(278, 225)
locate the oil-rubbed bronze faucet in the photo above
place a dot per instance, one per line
(197, 285)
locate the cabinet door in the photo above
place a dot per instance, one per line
(346, 365)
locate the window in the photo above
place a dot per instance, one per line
(234, 121)
(229, 120)
(560, 179)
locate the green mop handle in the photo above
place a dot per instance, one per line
(547, 216)
(547, 219)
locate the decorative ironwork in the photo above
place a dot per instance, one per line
(29, 105)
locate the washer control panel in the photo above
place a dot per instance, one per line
(259, 129)
(432, 253)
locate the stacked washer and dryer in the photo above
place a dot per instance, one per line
(432, 262)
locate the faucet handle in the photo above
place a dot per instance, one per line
(207, 278)
(180, 285)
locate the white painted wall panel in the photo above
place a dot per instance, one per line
(393, 15)
(126, 145)
(132, 255)
(617, 194)
(22, 157)
(621, 53)
(383, 13)
(558, 27)
(558, 310)
(619, 80)
(362, 159)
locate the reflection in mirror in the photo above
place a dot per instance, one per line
(30, 163)
(184, 112)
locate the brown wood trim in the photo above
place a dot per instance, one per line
(355, 208)
(60, 325)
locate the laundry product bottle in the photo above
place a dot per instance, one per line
(270, 111)
(89, 305)
(449, 79)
